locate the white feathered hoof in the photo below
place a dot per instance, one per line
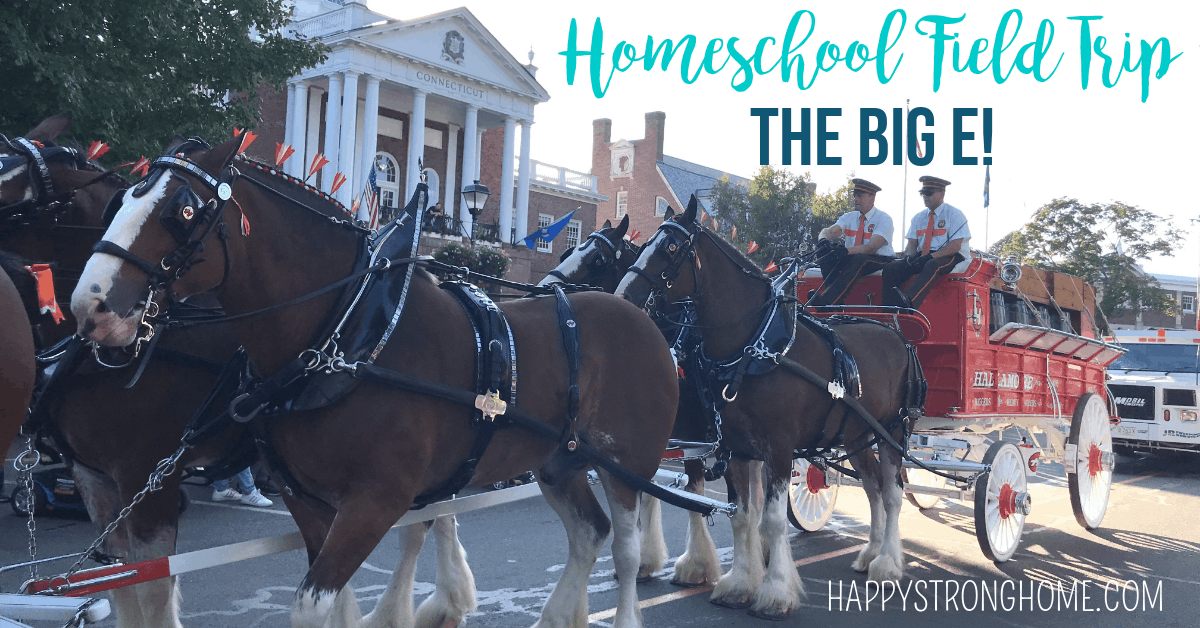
(732, 592)
(694, 571)
(438, 614)
(885, 567)
(776, 598)
(863, 562)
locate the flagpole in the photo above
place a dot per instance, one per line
(904, 149)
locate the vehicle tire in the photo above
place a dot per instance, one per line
(810, 499)
(184, 501)
(1001, 502)
(921, 477)
(17, 500)
(1089, 461)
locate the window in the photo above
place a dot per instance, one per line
(1188, 302)
(622, 204)
(388, 180)
(660, 207)
(544, 220)
(574, 227)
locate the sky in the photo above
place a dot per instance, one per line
(1050, 138)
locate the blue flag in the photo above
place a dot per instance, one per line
(549, 232)
(987, 182)
(372, 184)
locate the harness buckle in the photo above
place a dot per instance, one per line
(491, 405)
(233, 414)
(837, 390)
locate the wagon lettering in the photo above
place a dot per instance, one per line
(984, 379)
(1032, 382)
(983, 401)
(1009, 381)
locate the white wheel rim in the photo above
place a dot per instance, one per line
(1004, 533)
(921, 477)
(1095, 439)
(811, 510)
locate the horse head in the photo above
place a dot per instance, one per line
(601, 260)
(186, 190)
(662, 271)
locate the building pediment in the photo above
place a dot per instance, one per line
(453, 42)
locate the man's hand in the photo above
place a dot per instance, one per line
(834, 231)
(918, 261)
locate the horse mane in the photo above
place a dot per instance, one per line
(737, 256)
(291, 187)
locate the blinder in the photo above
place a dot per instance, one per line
(679, 247)
(28, 153)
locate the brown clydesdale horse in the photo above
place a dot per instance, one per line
(404, 444)
(776, 413)
(113, 437)
(17, 372)
(602, 260)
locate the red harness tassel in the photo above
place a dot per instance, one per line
(45, 291)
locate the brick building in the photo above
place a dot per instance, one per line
(435, 96)
(641, 181)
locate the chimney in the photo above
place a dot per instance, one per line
(601, 131)
(601, 137)
(656, 122)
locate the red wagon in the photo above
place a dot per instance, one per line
(1003, 346)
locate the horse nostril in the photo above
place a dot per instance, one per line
(101, 306)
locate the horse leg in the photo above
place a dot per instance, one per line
(623, 502)
(889, 564)
(781, 589)
(654, 544)
(103, 501)
(395, 608)
(868, 470)
(737, 588)
(153, 529)
(454, 596)
(587, 528)
(699, 564)
(325, 595)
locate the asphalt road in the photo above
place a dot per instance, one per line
(517, 552)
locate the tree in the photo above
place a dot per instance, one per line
(774, 210)
(1102, 243)
(133, 73)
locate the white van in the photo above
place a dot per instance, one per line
(1153, 387)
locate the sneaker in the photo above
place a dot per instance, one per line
(225, 495)
(255, 498)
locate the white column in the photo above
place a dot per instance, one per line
(295, 163)
(523, 183)
(470, 144)
(349, 123)
(416, 145)
(313, 141)
(506, 179)
(451, 181)
(478, 153)
(333, 129)
(289, 130)
(370, 136)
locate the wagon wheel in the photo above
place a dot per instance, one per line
(810, 499)
(1089, 461)
(921, 477)
(1001, 502)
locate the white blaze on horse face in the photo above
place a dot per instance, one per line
(571, 265)
(101, 269)
(9, 175)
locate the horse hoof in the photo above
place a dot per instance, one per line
(771, 614)
(734, 604)
(686, 584)
(644, 579)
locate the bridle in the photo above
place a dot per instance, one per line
(188, 218)
(45, 196)
(680, 247)
(609, 254)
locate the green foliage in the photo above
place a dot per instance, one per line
(485, 260)
(774, 210)
(1102, 243)
(134, 73)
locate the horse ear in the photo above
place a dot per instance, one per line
(622, 228)
(689, 215)
(607, 225)
(50, 128)
(220, 156)
(670, 213)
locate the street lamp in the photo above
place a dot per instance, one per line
(475, 196)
